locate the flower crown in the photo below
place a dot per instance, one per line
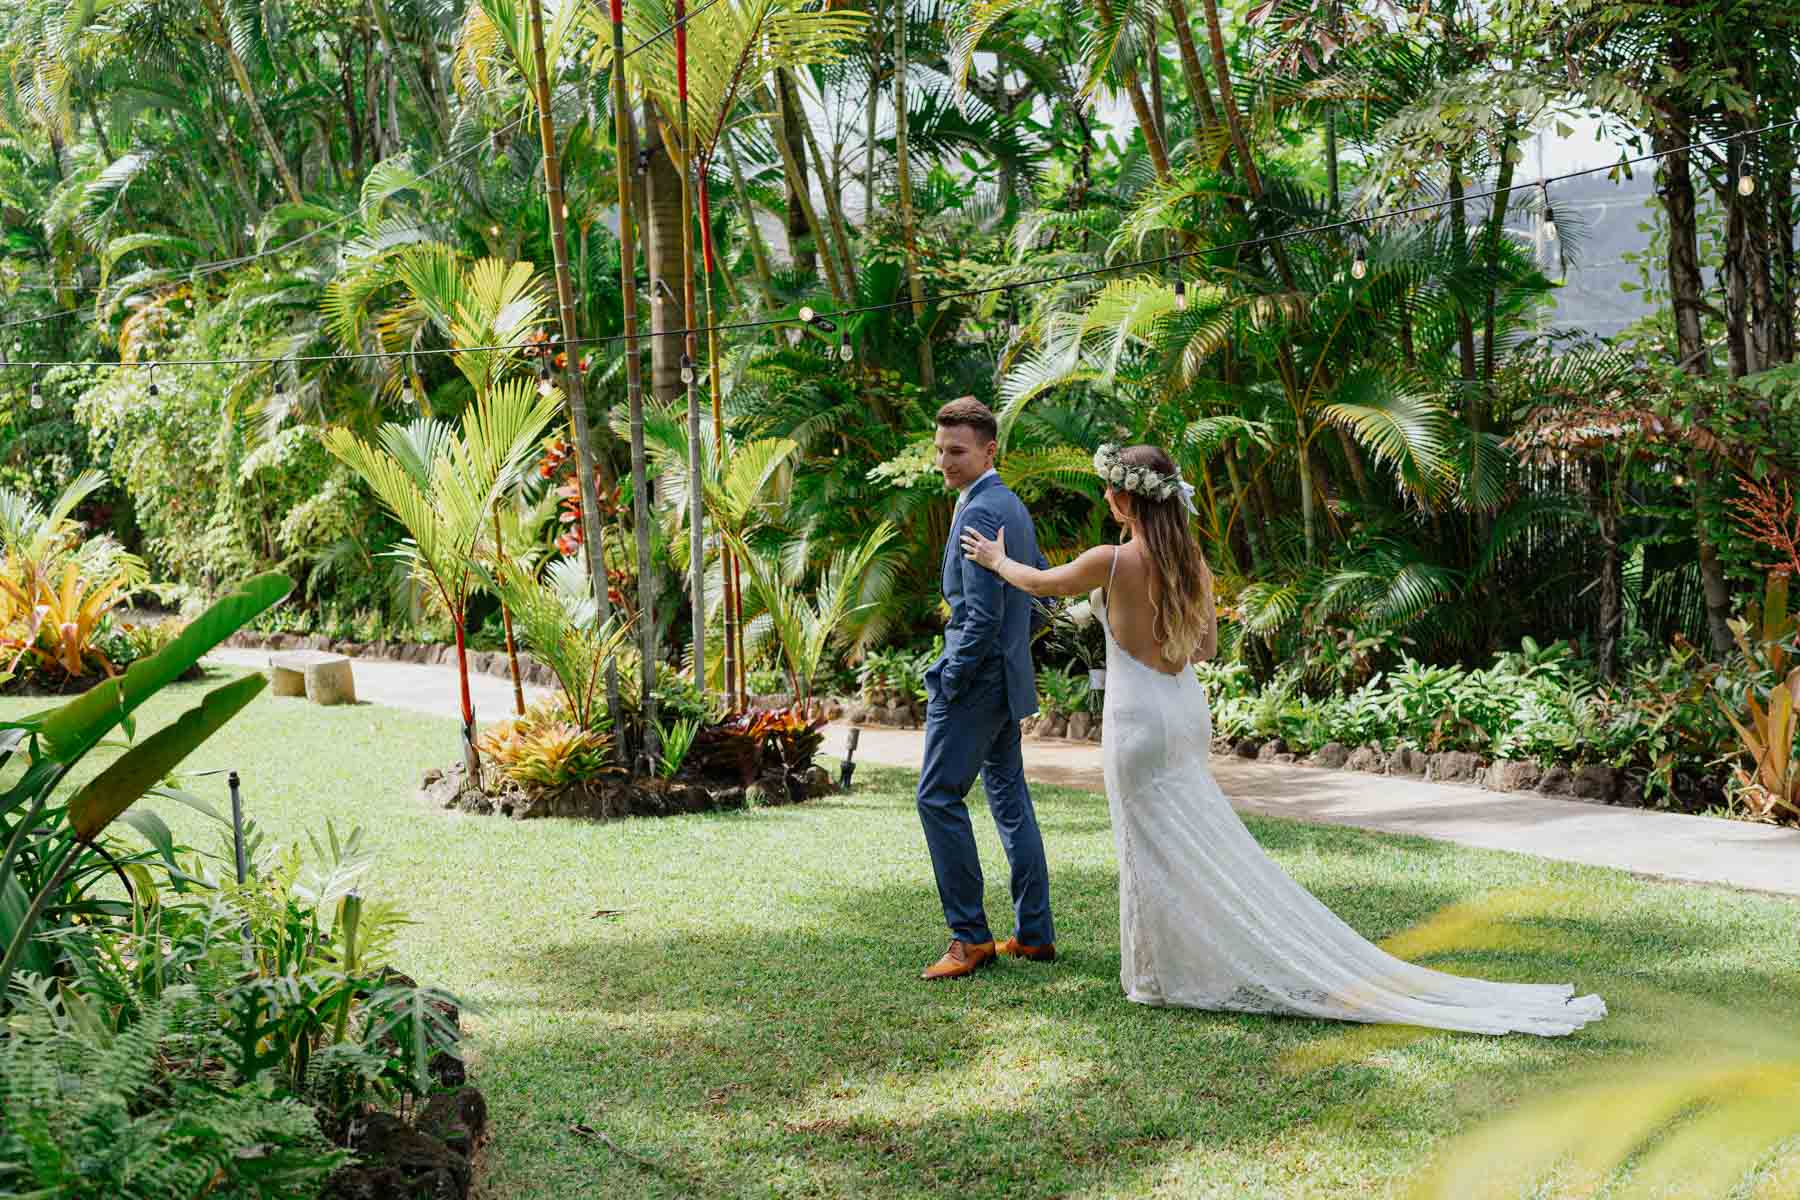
(1139, 481)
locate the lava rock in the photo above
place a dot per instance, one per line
(1331, 754)
(1512, 775)
(1454, 766)
(1370, 759)
(1557, 781)
(1594, 782)
(1407, 761)
(457, 1118)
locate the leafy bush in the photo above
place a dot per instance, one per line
(48, 920)
(545, 748)
(143, 1113)
(1062, 693)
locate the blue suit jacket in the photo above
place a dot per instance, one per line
(990, 621)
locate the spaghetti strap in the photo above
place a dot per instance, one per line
(1107, 590)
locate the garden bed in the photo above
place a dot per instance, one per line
(1593, 782)
(611, 799)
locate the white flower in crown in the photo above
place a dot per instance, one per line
(1119, 474)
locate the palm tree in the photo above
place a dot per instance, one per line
(804, 625)
(443, 484)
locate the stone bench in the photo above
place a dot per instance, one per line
(320, 676)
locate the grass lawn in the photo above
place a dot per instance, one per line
(752, 1025)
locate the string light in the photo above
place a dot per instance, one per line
(1181, 293)
(1359, 267)
(1549, 212)
(687, 369)
(37, 395)
(643, 162)
(1746, 185)
(544, 380)
(808, 315)
(152, 389)
(844, 350)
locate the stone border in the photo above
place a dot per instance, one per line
(1598, 784)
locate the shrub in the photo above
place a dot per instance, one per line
(143, 1113)
(545, 748)
(1062, 693)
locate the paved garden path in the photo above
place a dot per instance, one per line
(1664, 845)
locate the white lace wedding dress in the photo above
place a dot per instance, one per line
(1207, 920)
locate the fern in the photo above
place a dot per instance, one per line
(139, 1118)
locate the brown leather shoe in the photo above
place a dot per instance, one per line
(962, 958)
(1017, 949)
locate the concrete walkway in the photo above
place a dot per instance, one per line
(1657, 844)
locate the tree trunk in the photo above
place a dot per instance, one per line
(876, 29)
(222, 38)
(623, 136)
(512, 647)
(759, 253)
(690, 346)
(787, 133)
(833, 195)
(799, 190)
(1140, 106)
(909, 228)
(1157, 110)
(1198, 91)
(471, 761)
(1245, 505)
(1611, 611)
(1670, 136)
(662, 219)
(1307, 520)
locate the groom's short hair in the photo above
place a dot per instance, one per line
(967, 410)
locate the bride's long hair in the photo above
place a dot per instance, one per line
(1182, 617)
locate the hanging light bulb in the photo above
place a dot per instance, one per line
(844, 350)
(152, 389)
(565, 212)
(1359, 266)
(544, 380)
(643, 162)
(1549, 213)
(1181, 293)
(280, 388)
(37, 395)
(1746, 185)
(493, 230)
(808, 315)
(687, 369)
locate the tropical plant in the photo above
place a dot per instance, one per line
(140, 1113)
(546, 752)
(676, 741)
(443, 484)
(805, 626)
(50, 853)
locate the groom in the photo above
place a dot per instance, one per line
(977, 693)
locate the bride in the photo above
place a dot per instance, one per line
(1206, 919)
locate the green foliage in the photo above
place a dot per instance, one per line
(1062, 693)
(50, 859)
(138, 1114)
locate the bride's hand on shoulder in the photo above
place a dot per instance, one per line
(981, 551)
